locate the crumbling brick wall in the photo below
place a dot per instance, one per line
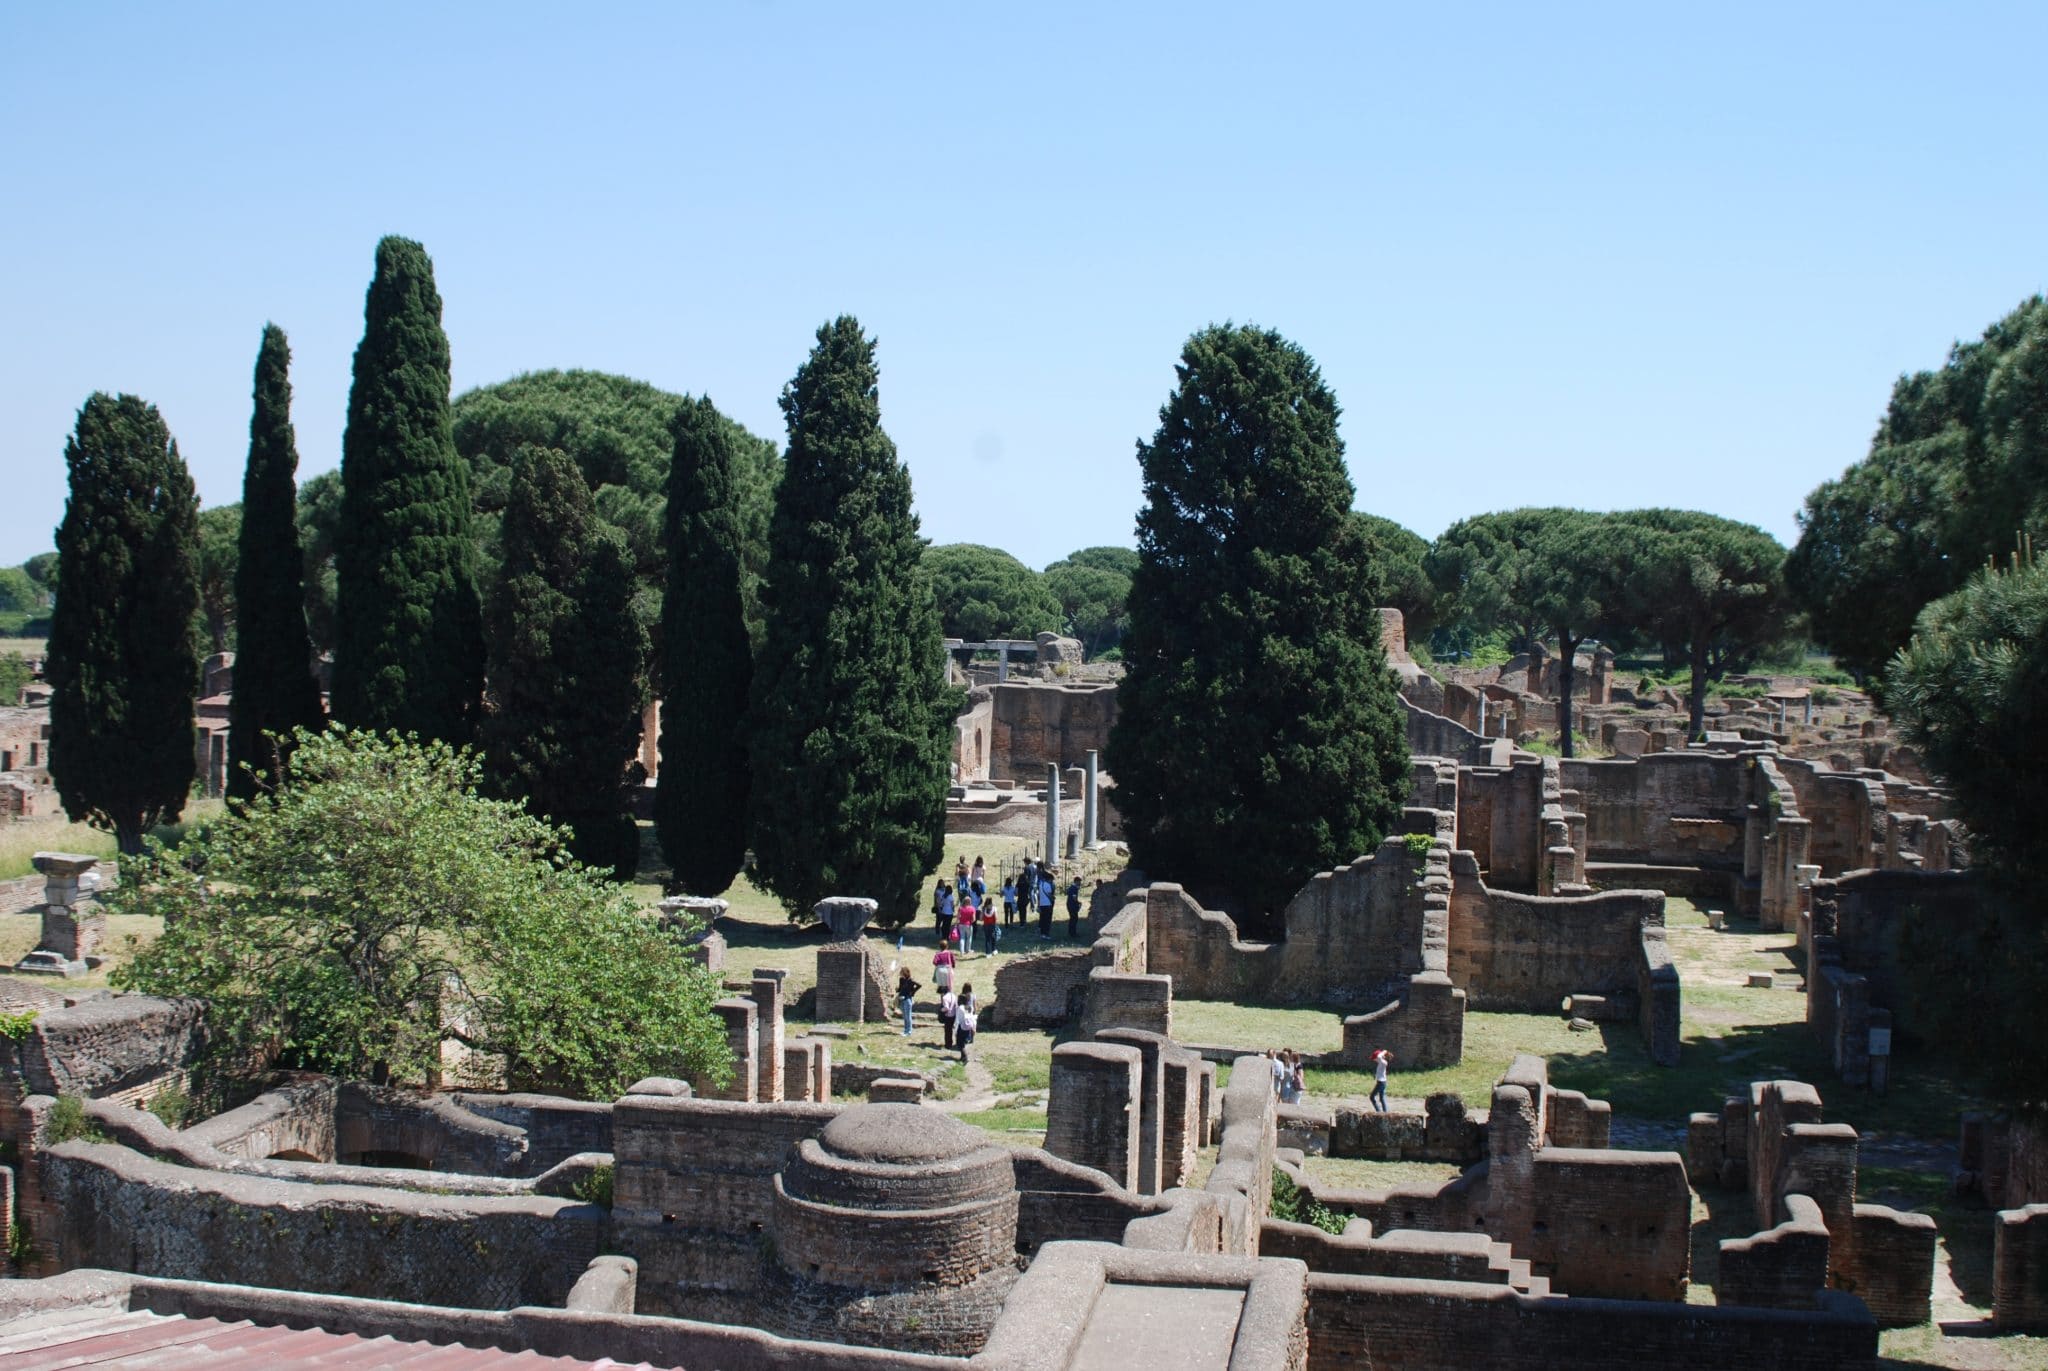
(125, 1212)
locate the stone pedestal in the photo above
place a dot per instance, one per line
(768, 1087)
(846, 915)
(854, 985)
(74, 924)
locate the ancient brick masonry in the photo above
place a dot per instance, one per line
(1093, 1108)
(1775, 1144)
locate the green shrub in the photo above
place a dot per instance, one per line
(171, 1106)
(1823, 696)
(20, 1245)
(595, 1188)
(1419, 845)
(68, 1120)
(1292, 1204)
(17, 1026)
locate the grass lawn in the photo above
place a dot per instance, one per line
(1730, 1035)
(1347, 1173)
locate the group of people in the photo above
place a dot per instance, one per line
(964, 909)
(1285, 1064)
(959, 1010)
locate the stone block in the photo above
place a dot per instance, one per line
(1761, 980)
(896, 1090)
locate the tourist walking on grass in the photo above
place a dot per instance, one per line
(943, 962)
(949, 1004)
(1009, 899)
(1027, 891)
(978, 881)
(966, 1014)
(1380, 1061)
(942, 911)
(964, 930)
(1297, 1082)
(1045, 894)
(991, 931)
(906, 995)
(1276, 1066)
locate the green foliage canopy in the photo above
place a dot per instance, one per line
(1394, 558)
(1970, 689)
(851, 712)
(340, 921)
(409, 652)
(616, 430)
(123, 664)
(567, 655)
(984, 593)
(700, 801)
(1709, 588)
(275, 691)
(1093, 587)
(1258, 738)
(1958, 466)
(220, 534)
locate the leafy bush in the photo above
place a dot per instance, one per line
(595, 1188)
(17, 1026)
(375, 898)
(68, 1120)
(1292, 1204)
(171, 1107)
(1419, 845)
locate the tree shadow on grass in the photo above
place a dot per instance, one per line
(1926, 1099)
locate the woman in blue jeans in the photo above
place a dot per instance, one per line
(906, 995)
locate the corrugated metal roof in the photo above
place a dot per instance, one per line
(163, 1342)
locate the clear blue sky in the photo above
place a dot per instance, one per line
(1595, 255)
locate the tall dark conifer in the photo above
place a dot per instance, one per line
(566, 654)
(1258, 738)
(700, 803)
(275, 690)
(851, 709)
(123, 659)
(408, 629)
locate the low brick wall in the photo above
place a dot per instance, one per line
(125, 1212)
(1416, 1325)
(1780, 1268)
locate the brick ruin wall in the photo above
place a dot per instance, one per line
(1033, 724)
(127, 1212)
(1665, 809)
(1377, 1321)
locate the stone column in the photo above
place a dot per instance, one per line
(1091, 824)
(768, 1029)
(1052, 811)
(1092, 1111)
(74, 925)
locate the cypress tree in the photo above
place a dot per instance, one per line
(123, 657)
(566, 653)
(275, 690)
(851, 709)
(408, 629)
(700, 800)
(1258, 738)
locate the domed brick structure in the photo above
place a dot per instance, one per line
(895, 1227)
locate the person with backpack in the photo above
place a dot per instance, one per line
(966, 1014)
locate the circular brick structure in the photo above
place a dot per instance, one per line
(896, 1227)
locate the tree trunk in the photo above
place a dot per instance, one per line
(1567, 650)
(1696, 702)
(128, 835)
